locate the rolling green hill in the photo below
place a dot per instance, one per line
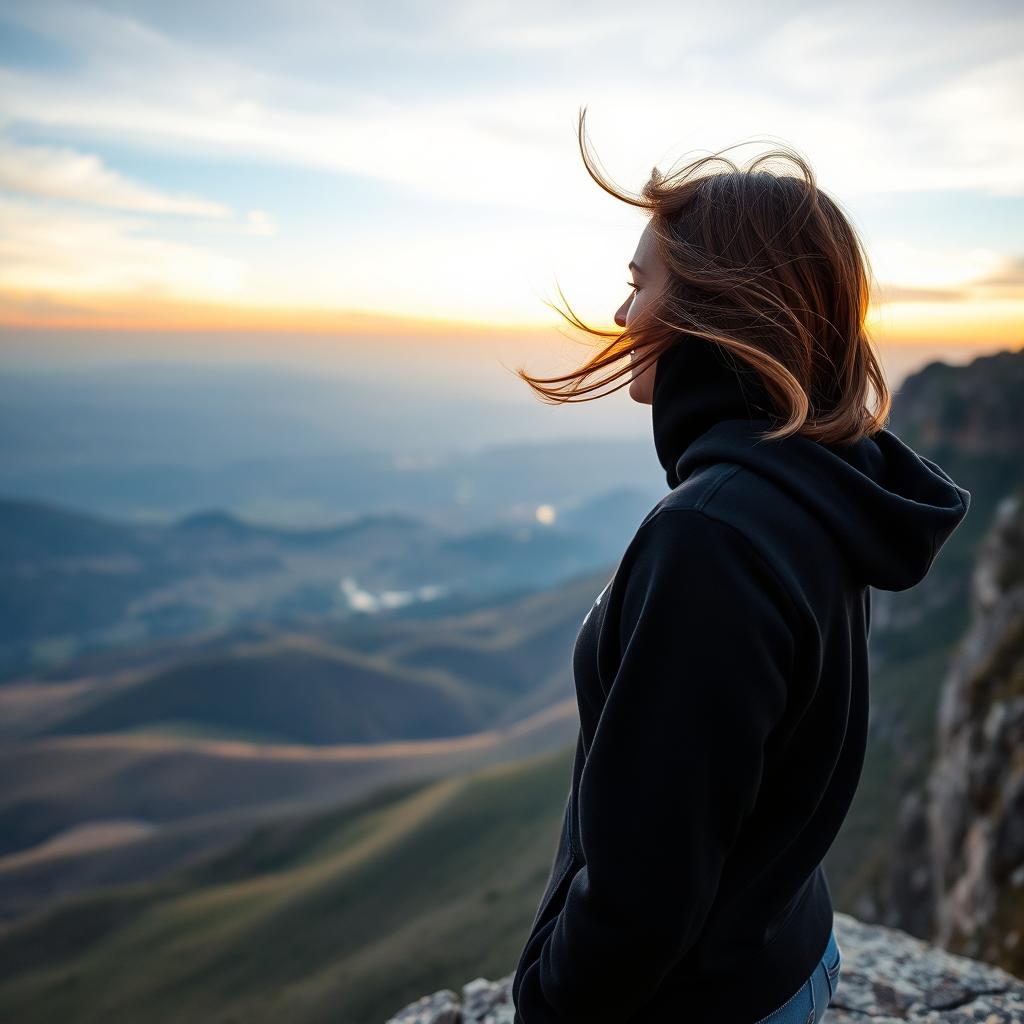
(339, 916)
(290, 693)
(394, 679)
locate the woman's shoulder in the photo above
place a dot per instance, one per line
(769, 514)
(724, 514)
(691, 576)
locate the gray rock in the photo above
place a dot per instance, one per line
(958, 850)
(887, 976)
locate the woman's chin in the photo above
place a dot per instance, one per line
(638, 392)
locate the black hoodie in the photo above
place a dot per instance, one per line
(722, 682)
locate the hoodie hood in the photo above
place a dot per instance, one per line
(889, 508)
(695, 388)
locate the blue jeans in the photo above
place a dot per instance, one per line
(808, 1005)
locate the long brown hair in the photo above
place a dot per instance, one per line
(767, 266)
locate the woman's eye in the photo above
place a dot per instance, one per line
(629, 284)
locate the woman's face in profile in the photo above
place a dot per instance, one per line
(649, 277)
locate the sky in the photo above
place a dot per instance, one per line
(412, 169)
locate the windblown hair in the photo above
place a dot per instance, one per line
(765, 265)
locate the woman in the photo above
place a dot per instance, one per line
(722, 673)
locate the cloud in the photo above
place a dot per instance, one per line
(885, 294)
(870, 104)
(910, 273)
(65, 173)
(1010, 275)
(47, 250)
(259, 222)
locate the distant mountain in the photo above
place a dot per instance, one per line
(149, 441)
(72, 583)
(962, 412)
(31, 531)
(415, 679)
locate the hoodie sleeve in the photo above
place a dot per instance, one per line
(707, 641)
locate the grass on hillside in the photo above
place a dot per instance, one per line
(344, 916)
